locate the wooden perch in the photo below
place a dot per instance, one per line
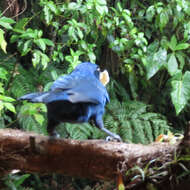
(95, 159)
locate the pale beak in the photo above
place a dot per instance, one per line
(104, 77)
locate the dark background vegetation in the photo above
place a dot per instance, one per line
(143, 44)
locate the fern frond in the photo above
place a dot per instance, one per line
(134, 121)
(126, 131)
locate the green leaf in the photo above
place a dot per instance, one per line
(83, 44)
(154, 62)
(52, 6)
(39, 118)
(44, 60)
(5, 22)
(26, 47)
(119, 7)
(92, 57)
(153, 47)
(101, 9)
(74, 6)
(163, 20)
(36, 58)
(182, 46)
(10, 107)
(150, 13)
(54, 74)
(80, 34)
(14, 38)
(69, 58)
(3, 73)
(21, 23)
(48, 15)
(3, 43)
(41, 44)
(6, 98)
(172, 64)
(181, 59)
(72, 34)
(180, 91)
(173, 42)
(28, 35)
(48, 42)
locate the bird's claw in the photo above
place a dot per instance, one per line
(116, 138)
(54, 134)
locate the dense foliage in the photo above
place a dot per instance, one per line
(143, 44)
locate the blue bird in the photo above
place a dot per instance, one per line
(75, 98)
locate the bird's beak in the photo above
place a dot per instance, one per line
(104, 77)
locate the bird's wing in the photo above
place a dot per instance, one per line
(64, 82)
(78, 89)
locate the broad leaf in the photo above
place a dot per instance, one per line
(101, 9)
(5, 22)
(28, 35)
(21, 23)
(181, 57)
(48, 15)
(163, 20)
(36, 58)
(92, 57)
(150, 12)
(172, 64)
(47, 42)
(44, 60)
(14, 38)
(40, 43)
(26, 47)
(182, 46)
(52, 6)
(173, 42)
(180, 91)
(154, 62)
(9, 106)
(6, 98)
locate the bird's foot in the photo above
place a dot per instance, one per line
(116, 138)
(54, 134)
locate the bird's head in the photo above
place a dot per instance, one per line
(104, 77)
(91, 68)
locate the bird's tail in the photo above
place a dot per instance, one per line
(35, 97)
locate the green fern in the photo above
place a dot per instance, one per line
(134, 121)
(27, 118)
(79, 131)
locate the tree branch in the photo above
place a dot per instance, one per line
(95, 159)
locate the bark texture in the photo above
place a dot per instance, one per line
(95, 159)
